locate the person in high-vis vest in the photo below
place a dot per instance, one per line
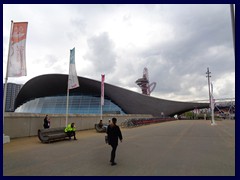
(70, 130)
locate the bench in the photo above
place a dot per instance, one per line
(101, 129)
(51, 134)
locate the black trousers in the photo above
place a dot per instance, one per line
(113, 153)
(71, 133)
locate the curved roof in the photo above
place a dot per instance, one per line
(130, 102)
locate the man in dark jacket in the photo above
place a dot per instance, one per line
(46, 122)
(114, 133)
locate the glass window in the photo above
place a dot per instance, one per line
(78, 104)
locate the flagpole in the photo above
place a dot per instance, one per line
(233, 24)
(66, 122)
(6, 80)
(101, 100)
(101, 112)
(102, 92)
(72, 79)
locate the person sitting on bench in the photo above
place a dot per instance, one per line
(100, 124)
(70, 130)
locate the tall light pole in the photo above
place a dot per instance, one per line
(208, 76)
(211, 105)
(233, 24)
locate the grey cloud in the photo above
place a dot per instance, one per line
(179, 65)
(101, 53)
(199, 37)
(193, 41)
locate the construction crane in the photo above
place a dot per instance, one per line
(144, 83)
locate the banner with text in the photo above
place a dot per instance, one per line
(17, 50)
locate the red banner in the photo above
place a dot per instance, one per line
(17, 55)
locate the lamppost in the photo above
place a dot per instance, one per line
(233, 24)
(211, 103)
(208, 76)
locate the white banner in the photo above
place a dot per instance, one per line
(17, 50)
(72, 78)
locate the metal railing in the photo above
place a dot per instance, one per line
(134, 122)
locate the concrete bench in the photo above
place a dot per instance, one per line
(52, 134)
(101, 129)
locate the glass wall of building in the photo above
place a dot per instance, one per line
(78, 104)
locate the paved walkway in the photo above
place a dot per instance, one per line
(177, 148)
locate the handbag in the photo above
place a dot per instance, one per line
(106, 139)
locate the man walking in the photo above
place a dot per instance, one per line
(113, 132)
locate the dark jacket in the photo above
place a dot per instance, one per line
(113, 132)
(46, 123)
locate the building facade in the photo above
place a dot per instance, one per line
(47, 94)
(11, 94)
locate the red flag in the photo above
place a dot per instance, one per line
(17, 49)
(102, 90)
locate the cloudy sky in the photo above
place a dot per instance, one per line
(177, 43)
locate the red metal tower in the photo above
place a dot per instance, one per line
(143, 83)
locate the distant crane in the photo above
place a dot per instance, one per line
(143, 83)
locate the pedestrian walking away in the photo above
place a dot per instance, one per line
(46, 122)
(114, 133)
